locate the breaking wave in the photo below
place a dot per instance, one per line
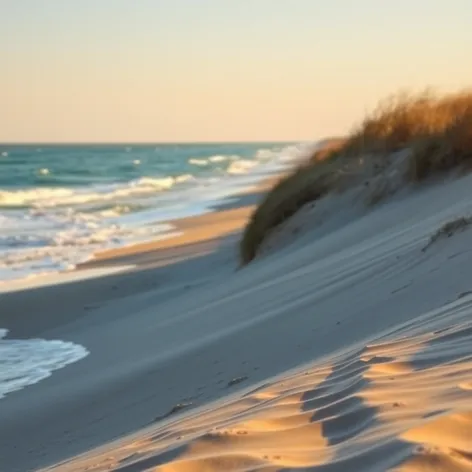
(99, 198)
(27, 361)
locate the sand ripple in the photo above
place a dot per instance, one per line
(401, 402)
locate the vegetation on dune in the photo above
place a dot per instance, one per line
(436, 129)
(327, 149)
(401, 121)
(306, 184)
(449, 229)
(444, 150)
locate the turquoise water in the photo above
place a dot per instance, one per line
(60, 204)
(76, 166)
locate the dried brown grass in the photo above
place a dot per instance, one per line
(403, 120)
(437, 129)
(306, 184)
(445, 150)
(329, 148)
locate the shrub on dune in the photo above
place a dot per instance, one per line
(444, 150)
(403, 120)
(306, 184)
(436, 129)
(328, 149)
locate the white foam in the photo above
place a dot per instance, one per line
(220, 158)
(241, 167)
(26, 362)
(47, 197)
(264, 154)
(184, 178)
(199, 162)
(51, 229)
(64, 250)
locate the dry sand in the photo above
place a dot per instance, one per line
(345, 349)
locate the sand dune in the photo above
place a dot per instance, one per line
(348, 348)
(400, 403)
(399, 400)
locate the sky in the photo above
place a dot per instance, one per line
(218, 70)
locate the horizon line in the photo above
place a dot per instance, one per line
(129, 143)
(148, 143)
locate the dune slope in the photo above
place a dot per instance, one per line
(381, 310)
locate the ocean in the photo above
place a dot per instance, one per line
(60, 204)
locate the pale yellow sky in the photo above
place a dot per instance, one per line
(168, 71)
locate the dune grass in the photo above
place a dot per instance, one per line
(328, 148)
(449, 229)
(436, 129)
(306, 184)
(407, 120)
(444, 150)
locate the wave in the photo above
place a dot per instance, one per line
(184, 178)
(217, 159)
(54, 251)
(231, 165)
(199, 162)
(26, 362)
(220, 158)
(241, 167)
(46, 197)
(52, 228)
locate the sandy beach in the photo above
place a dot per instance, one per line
(235, 236)
(346, 349)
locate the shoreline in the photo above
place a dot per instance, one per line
(184, 329)
(224, 218)
(82, 310)
(53, 227)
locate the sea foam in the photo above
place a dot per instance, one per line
(27, 361)
(52, 222)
